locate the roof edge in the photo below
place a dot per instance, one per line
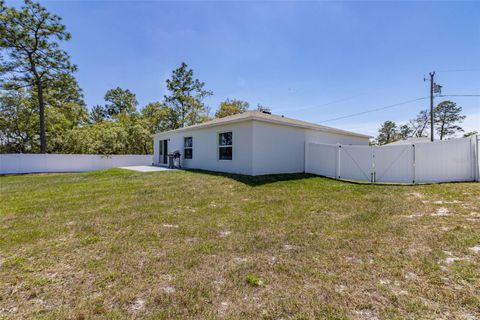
(316, 127)
(205, 125)
(258, 116)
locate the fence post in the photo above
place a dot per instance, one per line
(372, 175)
(305, 164)
(338, 161)
(413, 163)
(473, 158)
(476, 159)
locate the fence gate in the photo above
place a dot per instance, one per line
(439, 161)
(355, 163)
(394, 164)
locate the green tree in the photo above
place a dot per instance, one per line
(158, 117)
(64, 91)
(185, 98)
(18, 123)
(64, 110)
(404, 132)
(387, 133)
(30, 38)
(105, 137)
(469, 134)
(120, 101)
(231, 107)
(420, 124)
(127, 135)
(447, 115)
(138, 137)
(97, 114)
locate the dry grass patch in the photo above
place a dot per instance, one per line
(167, 245)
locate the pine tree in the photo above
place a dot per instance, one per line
(30, 38)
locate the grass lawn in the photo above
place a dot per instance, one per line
(182, 244)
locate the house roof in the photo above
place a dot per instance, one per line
(270, 118)
(410, 141)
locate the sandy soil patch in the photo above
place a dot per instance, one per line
(413, 216)
(366, 314)
(475, 249)
(168, 290)
(446, 202)
(167, 225)
(289, 247)
(441, 212)
(416, 195)
(225, 233)
(451, 258)
(138, 305)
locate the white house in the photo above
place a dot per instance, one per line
(251, 143)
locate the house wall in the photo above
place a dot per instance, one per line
(205, 148)
(281, 149)
(277, 148)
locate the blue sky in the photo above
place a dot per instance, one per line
(308, 60)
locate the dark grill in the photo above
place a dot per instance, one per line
(174, 159)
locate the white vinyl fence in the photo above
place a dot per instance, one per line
(440, 161)
(30, 163)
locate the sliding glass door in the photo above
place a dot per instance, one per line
(163, 148)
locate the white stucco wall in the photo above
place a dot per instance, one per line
(281, 149)
(205, 148)
(277, 148)
(258, 147)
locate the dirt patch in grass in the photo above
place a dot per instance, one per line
(174, 245)
(441, 212)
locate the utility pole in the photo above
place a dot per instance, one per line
(434, 88)
(432, 84)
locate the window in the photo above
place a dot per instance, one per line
(225, 140)
(187, 147)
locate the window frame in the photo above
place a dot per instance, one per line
(189, 148)
(224, 146)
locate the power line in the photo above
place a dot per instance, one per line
(459, 70)
(396, 105)
(320, 106)
(374, 110)
(459, 95)
(334, 102)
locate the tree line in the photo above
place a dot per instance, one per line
(42, 107)
(447, 117)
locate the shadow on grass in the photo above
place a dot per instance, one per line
(272, 178)
(254, 181)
